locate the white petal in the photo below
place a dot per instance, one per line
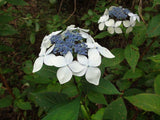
(59, 61)
(110, 22)
(106, 12)
(138, 18)
(43, 51)
(111, 8)
(90, 39)
(118, 30)
(110, 30)
(105, 52)
(82, 59)
(130, 14)
(76, 66)
(81, 73)
(71, 26)
(133, 24)
(84, 30)
(49, 60)
(129, 29)
(90, 45)
(118, 23)
(38, 64)
(94, 57)
(103, 18)
(93, 75)
(84, 34)
(54, 33)
(68, 57)
(46, 42)
(126, 23)
(101, 26)
(50, 50)
(64, 74)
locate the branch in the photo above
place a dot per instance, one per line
(60, 6)
(140, 11)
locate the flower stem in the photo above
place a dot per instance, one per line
(85, 113)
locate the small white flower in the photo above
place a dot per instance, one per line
(90, 66)
(133, 17)
(44, 57)
(102, 21)
(113, 26)
(67, 67)
(129, 25)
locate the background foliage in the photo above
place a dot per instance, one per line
(129, 88)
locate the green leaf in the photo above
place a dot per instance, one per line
(146, 101)
(98, 115)
(156, 2)
(6, 29)
(2, 2)
(104, 87)
(6, 101)
(32, 37)
(116, 110)
(139, 34)
(132, 55)
(47, 100)
(17, 2)
(97, 98)
(90, 12)
(23, 105)
(154, 26)
(157, 85)
(66, 112)
(16, 92)
(28, 67)
(102, 35)
(5, 19)
(52, 1)
(133, 75)
(123, 84)
(155, 58)
(119, 57)
(4, 48)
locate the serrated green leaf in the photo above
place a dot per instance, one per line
(154, 27)
(133, 74)
(66, 112)
(157, 85)
(97, 98)
(6, 29)
(155, 58)
(104, 87)
(6, 101)
(102, 35)
(132, 55)
(146, 101)
(116, 110)
(17, 2)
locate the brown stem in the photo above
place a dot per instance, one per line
(7, 86)
(147, 49)
(140, 11)
(72, 12)
(60, 6)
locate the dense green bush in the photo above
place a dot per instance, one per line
(129, 88)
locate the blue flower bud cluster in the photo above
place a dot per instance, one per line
(72, 41)
(119, 13)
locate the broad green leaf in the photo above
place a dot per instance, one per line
(23, 105)
(154, 27)
(90, 12)
(116, 110)
(102, 35)
(6, 29)
(119, 57)
(104, 87)
(17, 2)
(47, 100)
(6, 101)
(139, 34)
(157, 85)
(146, 101)
(156, 2)
(133, 74)
(123, 84)
(132, 55)
(32, 37)
(155, 58)
(97, 98)
(132, 91)
(5, 19)
(66, 112)
(27, 67)
(16, 92)
(98, 115)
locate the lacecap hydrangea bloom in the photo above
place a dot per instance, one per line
(74, 52)
(115, 18)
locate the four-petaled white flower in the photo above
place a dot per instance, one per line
(102, 21)
(113, 26)
(129, 25)
(67, 67)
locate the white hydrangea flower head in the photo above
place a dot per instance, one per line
(114, 16)
(74, 52)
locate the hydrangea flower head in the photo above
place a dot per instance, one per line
(74, 52)
(116, 17)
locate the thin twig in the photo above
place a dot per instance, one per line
(60, 6)
(72, 12)
(140, 11)
(7, 86)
